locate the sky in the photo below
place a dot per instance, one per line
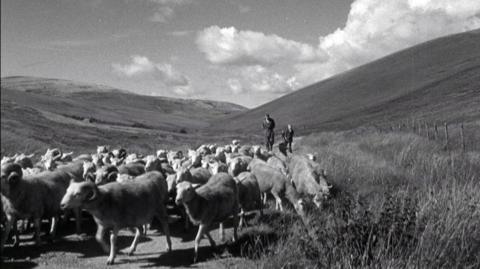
(244, 51)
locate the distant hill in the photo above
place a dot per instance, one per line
(47, 111)
(436, 81)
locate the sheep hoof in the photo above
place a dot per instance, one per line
(110, 261)
(130, 252)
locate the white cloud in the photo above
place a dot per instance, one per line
(230, 46)
(261, 80)
(142, 67)
(374, 28)
(235, 85)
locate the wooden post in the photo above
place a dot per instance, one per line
(413, 125)
(428, 131)
(446, 135)
(436, 131)
(463, 137)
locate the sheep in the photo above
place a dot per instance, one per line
(132, 169)
(216, 167)
(153, 163)
(220, 155)
(102, 149)
(260, 154)
(82, 157)
(203, 150)
(248, 195)
(122, 205)
(236, 142)
(211, 203)
(33, 196)
(134, 158)
(89, 169)
(272, 180)
(245, 150)
(276, 162)
(308, 178)
(106, 174)
(238, 165)
(25, 161)
(198, 175)
(161, 154)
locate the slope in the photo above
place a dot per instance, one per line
(436, 81)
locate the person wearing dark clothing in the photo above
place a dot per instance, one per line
(287, 135)
(269, 124)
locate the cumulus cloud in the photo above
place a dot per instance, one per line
(260, 79)
(233, 47)
(374, 28)
(141, 67)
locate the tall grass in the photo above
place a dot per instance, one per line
(401, 201)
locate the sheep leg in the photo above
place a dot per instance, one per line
(264, 198)
(53, 228)
(210, 239)
(99, 237)
(163, 217)
(202, 228)
(133, 247)
(221, 232)
(36, 223)
(235, 226)
(113, 246)
(242, 219)
(8, 226)
(278, 203)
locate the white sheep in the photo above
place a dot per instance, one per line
(211, 203)
(122, 205)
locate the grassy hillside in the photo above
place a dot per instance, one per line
(436, 80)
(37, 113)
(399, 201)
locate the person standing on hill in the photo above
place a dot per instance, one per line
(269, 124)
(287, 135)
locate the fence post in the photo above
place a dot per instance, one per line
(463, 137)
(428, 131)
(446, 135)
(436, 131)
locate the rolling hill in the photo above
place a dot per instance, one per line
(41, 112)
(436, 81)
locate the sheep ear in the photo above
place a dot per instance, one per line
(195, 186)
(13, 178)
(112, 177)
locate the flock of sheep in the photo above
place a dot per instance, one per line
(209, 185)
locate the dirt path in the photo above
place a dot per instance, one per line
(73, 251)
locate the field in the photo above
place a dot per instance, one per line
(400, 200)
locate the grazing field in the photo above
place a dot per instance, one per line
(401, 202)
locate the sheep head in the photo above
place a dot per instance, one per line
(89, 169)
(185, 193)
(183, 175)
(79, 193)
(106, 174)
(10, 176)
